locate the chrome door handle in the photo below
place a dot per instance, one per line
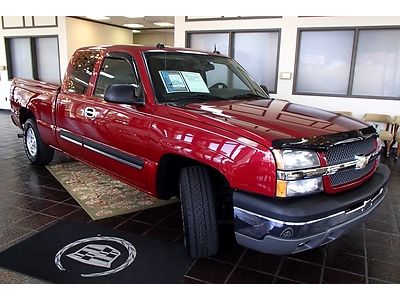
(90, 112)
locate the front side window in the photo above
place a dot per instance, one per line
(114, 71)
(82, 68)
(187, 77)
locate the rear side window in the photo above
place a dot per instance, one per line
(114, 71)
(82, 68)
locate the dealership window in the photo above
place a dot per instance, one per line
(359, 62)
(48, 65)
(324, 61)
(377, 68)
(257, 51)
(210, 42)
(33, 58)
(21, 58)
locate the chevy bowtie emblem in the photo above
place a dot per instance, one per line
(362, 161)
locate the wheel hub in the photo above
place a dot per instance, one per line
(31, 143)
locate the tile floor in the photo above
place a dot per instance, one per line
(31, 199)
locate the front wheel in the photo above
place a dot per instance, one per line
(37, 152)
(198, 212)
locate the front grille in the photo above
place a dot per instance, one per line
(347, 152)
(346, 176)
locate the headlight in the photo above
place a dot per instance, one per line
(290, 160)
(296, 159)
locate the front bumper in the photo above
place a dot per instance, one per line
(285, 226)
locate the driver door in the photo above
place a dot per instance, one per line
(116, 134)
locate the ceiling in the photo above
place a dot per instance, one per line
(146, 21)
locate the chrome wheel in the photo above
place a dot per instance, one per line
(31, 143)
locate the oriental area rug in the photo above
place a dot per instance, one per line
(99, 194)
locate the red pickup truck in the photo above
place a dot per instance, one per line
(178, 122)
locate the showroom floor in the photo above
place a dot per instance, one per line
(31, 200)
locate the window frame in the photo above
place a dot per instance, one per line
(118, 55)
(231, 34)
(349, 94)
(34, 66)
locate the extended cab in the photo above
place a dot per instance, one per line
(178, 122)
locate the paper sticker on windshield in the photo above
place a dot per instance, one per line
(195, 82)
(173, 81)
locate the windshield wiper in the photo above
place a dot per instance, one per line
(247, 96)
(198, 96)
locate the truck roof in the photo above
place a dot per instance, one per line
(142, 48)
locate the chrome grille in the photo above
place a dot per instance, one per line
(346, 176)
(346, 152)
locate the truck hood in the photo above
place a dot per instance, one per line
(267, 120)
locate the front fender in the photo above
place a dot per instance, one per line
(246, 165)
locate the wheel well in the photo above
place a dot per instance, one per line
(24, 114)
(169, 168)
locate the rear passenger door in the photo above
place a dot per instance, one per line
(70, 110)
(116, 134)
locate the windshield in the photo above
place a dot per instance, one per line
(188, 77)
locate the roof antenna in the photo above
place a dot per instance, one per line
(215, 49)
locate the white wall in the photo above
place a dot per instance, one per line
(152, 38)
(81, 33)
(289, 26)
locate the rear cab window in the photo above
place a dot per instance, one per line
(81, 71)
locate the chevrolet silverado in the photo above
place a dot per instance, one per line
(195, 125)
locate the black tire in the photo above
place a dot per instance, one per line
(37, 152)
(198, 212)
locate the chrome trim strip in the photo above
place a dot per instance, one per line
(113, 157)
(70, 140)
(322, 171)
(343, 212)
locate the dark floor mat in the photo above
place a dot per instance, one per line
(70, 252)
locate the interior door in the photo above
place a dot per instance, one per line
(70, 111)
(116, 134)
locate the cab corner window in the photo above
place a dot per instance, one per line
(114, 71)
(82, 68)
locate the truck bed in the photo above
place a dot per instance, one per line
(23, 91)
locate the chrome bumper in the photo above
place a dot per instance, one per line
(260, 226)
(277, 227)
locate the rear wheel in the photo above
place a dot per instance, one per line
(37, 152)
(198, 212)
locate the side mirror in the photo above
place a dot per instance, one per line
(124, 94)
(265, 89)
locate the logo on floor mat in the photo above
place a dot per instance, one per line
(98, 255)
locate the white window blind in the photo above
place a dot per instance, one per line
(377, 68)
(47, 59)
(21, 58)
(324, 61)
(257, 52)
